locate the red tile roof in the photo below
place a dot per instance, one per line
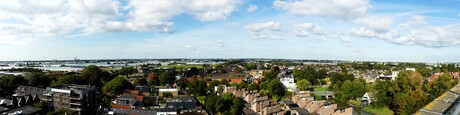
(150, 76)
(140, 98)
(115, 106)
(237, 80)
(436, 75)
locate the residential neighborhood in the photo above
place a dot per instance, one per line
(232, 87)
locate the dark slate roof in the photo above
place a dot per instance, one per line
(3, 109)
(8, 102)
(182, 102)
(133, 111)
(302, 111)
(30, 90)
(249, 112)
(26, 110)
(291, 104)
(143, 112)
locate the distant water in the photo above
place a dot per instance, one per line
(59, 68)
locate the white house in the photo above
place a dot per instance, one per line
(367, 98)
(289, 83)
(391, 76)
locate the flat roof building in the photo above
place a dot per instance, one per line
(78, 98)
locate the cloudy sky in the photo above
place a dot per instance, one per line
(372, 30)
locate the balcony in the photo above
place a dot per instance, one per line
(75, 109)
(75, 98)
(47, 99)
(47, 94)
(73, 103)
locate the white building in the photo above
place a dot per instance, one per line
(289, 83)
(391, 76)
(410, 69)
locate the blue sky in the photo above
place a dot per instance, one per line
(369, 30)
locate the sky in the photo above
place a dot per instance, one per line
(363, 30)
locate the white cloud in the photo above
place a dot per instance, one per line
(220, 43)
(376, 23)
(416, 31)
(458, 14)
(266, 30)
(343, 37)
(307, 29)
(42, 18)
(208, 10)
(252, 8)
(31, 19)
(342, 9)
(189, 47)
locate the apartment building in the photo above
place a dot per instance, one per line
(78, 98)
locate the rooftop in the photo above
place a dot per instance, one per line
(181, 99)
(26, 110)
(444, 104)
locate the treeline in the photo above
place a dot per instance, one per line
(310, 74)
(410, 91)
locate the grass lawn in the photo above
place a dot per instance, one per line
(321, 89)
(182, 66)
(378, 110)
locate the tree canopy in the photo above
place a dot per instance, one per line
(117, 86)
(198, 88)
(310, 74)
(303, 84)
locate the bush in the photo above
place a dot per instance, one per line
(317, 97)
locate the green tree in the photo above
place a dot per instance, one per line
(117, 86)
(442, 84)
(192, 71)
(272, 73)
(198, 88)
(405, 95)
(154, 81)
(346, 91)
(359, 88)
(237, 106)
(239, 70)
(96, 76)
(37, 79)
(167, 77)
(303, 84)
(242, 85)
(224, 82)
(212, 84)
(72, 79)
(384, 93)
(127, 71)
(251, 66)
(9, 83)
(210, 102)
(140, 81)
(167, 94)
(253, 86)
(276, 88)
(264, 85)
(182, 83)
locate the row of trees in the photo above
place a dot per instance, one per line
(350, 89)
(410, 92)
(226, 104)
(310, 74)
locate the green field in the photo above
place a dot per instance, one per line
(321, 89)
(378, 110)
(183, 66)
